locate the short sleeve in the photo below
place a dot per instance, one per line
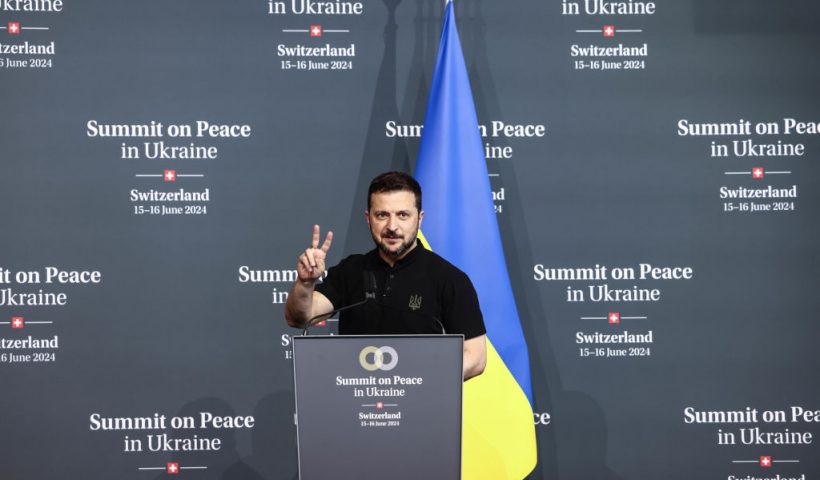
(462, 313)
(333, 286)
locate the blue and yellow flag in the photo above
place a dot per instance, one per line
(460, 225)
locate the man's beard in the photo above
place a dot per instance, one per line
(399, 251)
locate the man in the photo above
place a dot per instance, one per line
(417, 290)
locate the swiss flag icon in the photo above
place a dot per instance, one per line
(172, 468)
(14, 28)
(609, 30)
(765, 460)
(18, 322)
(379, 405)
(316, 31)
(614, 317)
(170, 175)
(758, 172)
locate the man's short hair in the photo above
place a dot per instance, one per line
(394, 182)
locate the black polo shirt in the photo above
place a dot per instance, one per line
(410, 296)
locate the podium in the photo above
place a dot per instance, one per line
(381, 406)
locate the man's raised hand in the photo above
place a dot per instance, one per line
(311, 264)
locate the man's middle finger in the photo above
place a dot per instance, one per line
(309, 253)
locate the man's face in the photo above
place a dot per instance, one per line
(394, 222)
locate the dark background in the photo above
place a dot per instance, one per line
(171, 329)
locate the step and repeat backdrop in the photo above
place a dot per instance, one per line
(654, 167)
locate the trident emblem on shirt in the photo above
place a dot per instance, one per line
(415, 302)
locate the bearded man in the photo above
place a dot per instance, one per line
(417, 291)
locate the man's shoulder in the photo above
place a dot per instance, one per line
(440, 263)
(340, 275)
(356, 261)
(352, 261)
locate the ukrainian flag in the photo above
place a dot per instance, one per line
(460, 225)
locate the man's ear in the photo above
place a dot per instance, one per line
(421, 217)
(367, 217)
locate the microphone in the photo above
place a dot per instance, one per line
(370, 285)
(369, 294)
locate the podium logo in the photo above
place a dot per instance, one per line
(378, 358)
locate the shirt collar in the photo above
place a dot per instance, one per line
(408, 259)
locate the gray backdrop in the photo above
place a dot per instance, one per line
(185, 319)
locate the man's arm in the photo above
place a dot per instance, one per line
(475, 356)
(303, 302)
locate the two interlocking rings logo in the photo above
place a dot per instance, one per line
(378, 362)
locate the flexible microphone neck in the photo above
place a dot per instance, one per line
(314, 320)
(443, 331)
(369, 294)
